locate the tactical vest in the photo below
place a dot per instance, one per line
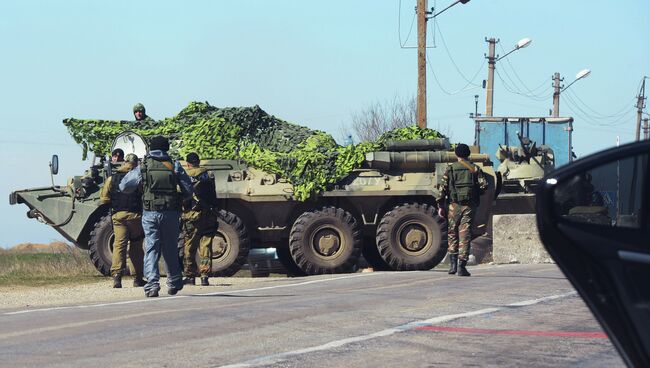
(204, 190)
(160, 186)
(121, 201)
(463, 183)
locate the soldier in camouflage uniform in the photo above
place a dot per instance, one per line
(199, 222)
(142, 120)
(462, 185)
(126, 214)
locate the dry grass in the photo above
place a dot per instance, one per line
(59, 265)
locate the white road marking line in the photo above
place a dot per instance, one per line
(225, 292)
(277, 358)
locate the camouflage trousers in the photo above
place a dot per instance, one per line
(199, 228)
(127, 227)
(459, 222)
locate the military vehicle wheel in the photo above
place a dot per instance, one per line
(371, 254)
(284, 256)
(412, 237)
(100, 245)
(325, 241)
(230, 245)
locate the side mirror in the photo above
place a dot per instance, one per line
(54, 165)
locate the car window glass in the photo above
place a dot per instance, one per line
(611, 194)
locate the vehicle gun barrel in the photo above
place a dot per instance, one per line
(438, 144)
(385, 160)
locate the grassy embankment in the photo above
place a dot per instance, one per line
(58, 266)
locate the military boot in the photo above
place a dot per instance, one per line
(189, 281)
(462, 271)
(138, 281)
(117, 282)
(453, 263)
(204, 281)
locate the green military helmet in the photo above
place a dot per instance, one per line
(139, 107)
(131, 158)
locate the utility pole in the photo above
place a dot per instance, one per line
(477, 126)
(556, 94)
(639, 109)
(422, 63)
(490, 82)
(645, 129)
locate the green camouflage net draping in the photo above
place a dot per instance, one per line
(310, 159)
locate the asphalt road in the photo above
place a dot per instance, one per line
(502, 316)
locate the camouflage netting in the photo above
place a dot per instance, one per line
(310, 159)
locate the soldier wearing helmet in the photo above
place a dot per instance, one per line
(126, 214)
(142, 120)
(462, 185)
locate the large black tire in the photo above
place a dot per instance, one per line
(284, 256)
(325, 241)
(412, 237)
(372, 256)
(230, 246)
(100, 245)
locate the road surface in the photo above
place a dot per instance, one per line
(502, 316)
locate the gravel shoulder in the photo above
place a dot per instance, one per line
(12, 297)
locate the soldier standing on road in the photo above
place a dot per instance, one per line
(142, 120)
(126, 214)
(462, 185)
(199, 223)
(165, 186)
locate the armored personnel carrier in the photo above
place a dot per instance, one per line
(385, 210)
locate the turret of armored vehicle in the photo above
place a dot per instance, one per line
(385, 210)
(523, 166)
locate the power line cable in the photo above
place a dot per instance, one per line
(598, 114)
(399, 27)
(512, 90)
(435, 77)
(530, 92)
(573, 106)
(444, 43)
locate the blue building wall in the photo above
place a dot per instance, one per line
(553, 132)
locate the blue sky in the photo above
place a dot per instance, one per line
(312, 63)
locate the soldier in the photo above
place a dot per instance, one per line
(142, 120)
(165, 185)
(126, 214)
(462, 185)
(117, 155)
(199, 223)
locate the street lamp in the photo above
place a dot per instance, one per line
(557, 89)
(492, 59)
(584, 73)
(519, 45)
(443, 10)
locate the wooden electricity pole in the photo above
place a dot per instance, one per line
(639, 109)
(422, 63)
(556, 94)
(489, 95)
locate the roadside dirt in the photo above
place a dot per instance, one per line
(12, 297)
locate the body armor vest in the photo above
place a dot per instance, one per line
(203, 189)
(160, 186)
(121, 201)
(463, 186)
